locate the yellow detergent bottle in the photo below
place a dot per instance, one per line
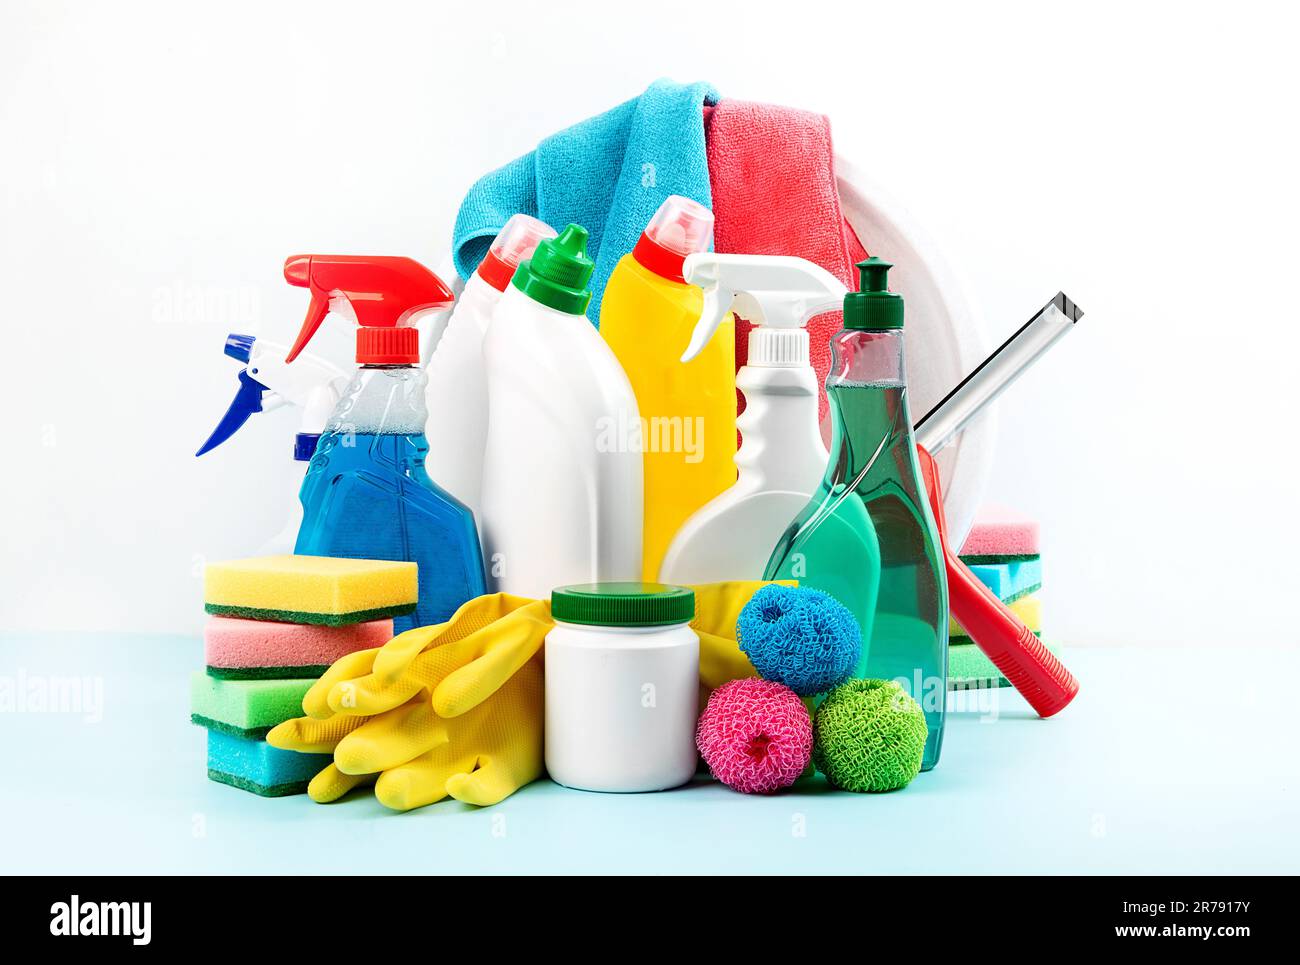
(688, 409)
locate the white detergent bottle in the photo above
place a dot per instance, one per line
(782, 458)
(562, 470)
(457, 393)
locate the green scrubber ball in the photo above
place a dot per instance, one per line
(869, 735)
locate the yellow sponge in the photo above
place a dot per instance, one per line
(310, 589)
(1028, 608)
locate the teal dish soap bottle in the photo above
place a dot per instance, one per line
(867, 537)
(367, 494)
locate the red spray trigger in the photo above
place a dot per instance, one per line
(384, 291)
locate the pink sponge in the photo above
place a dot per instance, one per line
(259, 649)
(755, 735)
(1001, 532)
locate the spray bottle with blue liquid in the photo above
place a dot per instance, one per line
(367, 494)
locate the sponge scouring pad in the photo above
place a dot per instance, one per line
(1028, 608)
(244, 708)
(310, 589)
(800, 637)
(1010, 580)
(970, 669)
(1000, 534)
(755, 735)
(254, 765)
(869, 735)
(259, 649)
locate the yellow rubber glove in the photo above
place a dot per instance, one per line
(457, 708)
(449, 709)
(415, 757)
(717, 607)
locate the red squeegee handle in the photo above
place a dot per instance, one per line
(1014, 649)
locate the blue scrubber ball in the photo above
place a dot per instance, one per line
(800, 637)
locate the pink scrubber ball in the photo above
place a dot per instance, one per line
(755, 735)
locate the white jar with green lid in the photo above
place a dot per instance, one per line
(622, 687)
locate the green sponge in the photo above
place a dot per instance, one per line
(970, 669)
(244, 708)
(869, 735)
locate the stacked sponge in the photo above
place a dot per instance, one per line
(1002, 551)
(277, 624)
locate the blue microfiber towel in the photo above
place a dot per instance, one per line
(609, 174)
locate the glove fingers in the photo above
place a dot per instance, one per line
(308, 736)
(504, 735)
(368, 695)
(490, 783)
(415, 784)
(512, 642)
(331, 784)
(391, 739)
(315, 703)
(473, 615)
(396, 655)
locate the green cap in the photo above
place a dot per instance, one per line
(873, 306)
(623, 604)
(558, 273)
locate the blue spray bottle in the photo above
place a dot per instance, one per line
(367, 494)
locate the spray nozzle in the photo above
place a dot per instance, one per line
(777, 293)
(268, 381)
(384, 292)
(239, 347)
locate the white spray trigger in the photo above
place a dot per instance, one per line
(771, 291)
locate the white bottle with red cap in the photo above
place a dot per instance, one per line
(457, 394)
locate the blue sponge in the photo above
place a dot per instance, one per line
(800, 637)
(254, 765)
(1011, 580)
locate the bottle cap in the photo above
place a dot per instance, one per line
(513, 243)
(558, 272)
(304, 446)
(240, 347)
(679, 228)
(873, 307)
(623, 604)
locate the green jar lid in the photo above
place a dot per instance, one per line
(558, 272)
(623, 604)
(873, 307)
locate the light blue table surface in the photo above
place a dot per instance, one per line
(1169, 761)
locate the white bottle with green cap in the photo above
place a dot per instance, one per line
(622, 687)
(562, 466)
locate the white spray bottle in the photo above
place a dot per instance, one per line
(313, 384)
(782, 458)
(457, 392)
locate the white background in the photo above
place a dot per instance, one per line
(159, 161)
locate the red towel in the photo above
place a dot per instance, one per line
(774, 193)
